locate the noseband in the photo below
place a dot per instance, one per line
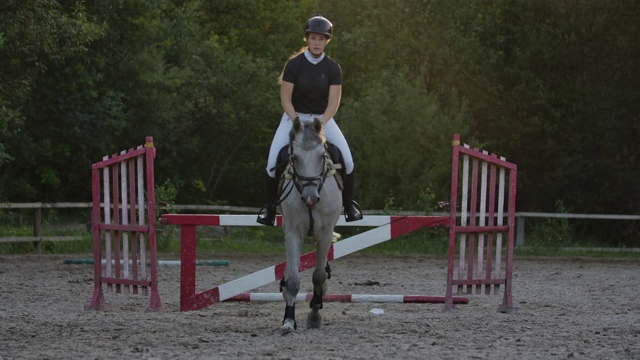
(300, 181)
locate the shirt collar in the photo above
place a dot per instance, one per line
(312, 59)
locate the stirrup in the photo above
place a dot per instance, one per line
(267, 218)
(352, 212)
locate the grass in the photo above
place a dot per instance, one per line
(264, 240)
(543, 238)
(271, 240)
(235, 240)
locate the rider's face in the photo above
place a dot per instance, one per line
(316, 43)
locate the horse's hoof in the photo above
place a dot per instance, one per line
(314, 320)
(288, 327)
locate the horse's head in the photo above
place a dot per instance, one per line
(308, 158)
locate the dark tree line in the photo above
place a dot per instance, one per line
(552, 85)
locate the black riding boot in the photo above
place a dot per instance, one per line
(271, 193)
(352, 211)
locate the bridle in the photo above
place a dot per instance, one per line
(299, 181)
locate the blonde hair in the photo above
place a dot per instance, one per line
(294, 54)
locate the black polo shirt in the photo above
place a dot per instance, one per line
(311, 82)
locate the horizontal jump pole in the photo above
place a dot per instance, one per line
(160, 262)
(250, 220)
(388, 227)
(349, 298)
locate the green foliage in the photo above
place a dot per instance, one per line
(405, 140)
(389, 205)
(552, 85)
(166, 193)
(427, 201)
(552, 232)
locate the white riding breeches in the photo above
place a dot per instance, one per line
(331, 131)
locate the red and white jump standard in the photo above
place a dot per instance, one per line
(126, 178)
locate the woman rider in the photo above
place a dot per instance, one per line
(311, 87)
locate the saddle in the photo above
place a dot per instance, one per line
(335, 157)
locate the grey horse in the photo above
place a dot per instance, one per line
(311, 172)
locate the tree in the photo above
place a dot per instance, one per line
(552, 85)
(35, 36)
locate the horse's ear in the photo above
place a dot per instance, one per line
(297, 124)
(317, 125)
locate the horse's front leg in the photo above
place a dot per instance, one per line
(319, 278)
(291, 282)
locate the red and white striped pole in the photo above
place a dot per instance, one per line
(349, 298)
(387, 228)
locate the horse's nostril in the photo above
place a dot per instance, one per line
(310, 201)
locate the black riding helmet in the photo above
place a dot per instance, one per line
(319, 25)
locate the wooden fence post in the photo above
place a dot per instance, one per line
(37, 229)
(520, 231)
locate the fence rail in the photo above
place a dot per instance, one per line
(38, 238)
